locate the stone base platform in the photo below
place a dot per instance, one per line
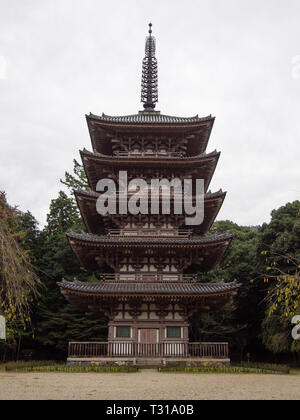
(147, 362)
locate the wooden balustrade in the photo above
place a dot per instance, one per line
(172, 349)
(119, 153)
(213, 350)
(182, 233)
(141, 276)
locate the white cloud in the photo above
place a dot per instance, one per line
(296, 67)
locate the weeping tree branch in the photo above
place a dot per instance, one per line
(19, 283)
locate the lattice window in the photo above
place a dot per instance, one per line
(123, 332)
(173, 332)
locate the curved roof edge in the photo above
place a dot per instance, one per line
(94, 194)
(89, 237)
(150, 288)
(149, 117)
(150, 158)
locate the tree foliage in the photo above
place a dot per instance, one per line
(280, 252)
(19, 282)
(239, 322)
(77, 180)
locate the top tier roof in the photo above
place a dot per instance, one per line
(104, 128)
(148, 117)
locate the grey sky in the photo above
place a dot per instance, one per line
(237, 59)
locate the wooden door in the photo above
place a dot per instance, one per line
(148, 342)
(148, 335)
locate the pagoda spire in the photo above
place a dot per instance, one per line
(149, 94)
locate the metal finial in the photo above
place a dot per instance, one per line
(149, 76)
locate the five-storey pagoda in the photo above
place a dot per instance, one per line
(148, 263)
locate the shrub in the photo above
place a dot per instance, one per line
(52, 366)
(15, 366)
(265, 366)
(218, 369)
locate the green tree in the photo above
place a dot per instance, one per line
(239, 321)
(56, 321)
(77, 180)
(280, 252)
(19, 283)
(18, 280)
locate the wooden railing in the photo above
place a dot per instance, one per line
(181, 233)
(148, 193)
(210, 350)
(145, 276)
(148, 153)
(123, 349)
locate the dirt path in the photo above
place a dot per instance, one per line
(147, 385)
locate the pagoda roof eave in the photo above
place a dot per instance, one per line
(154, 289)
(150, 160)
(93, 194)
(95, 165)
(141, 241)
(145, 118)
(93, 220)
(100, 128)
(205, 252)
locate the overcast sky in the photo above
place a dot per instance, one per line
(238, 60)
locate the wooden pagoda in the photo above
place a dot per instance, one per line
(150, 265)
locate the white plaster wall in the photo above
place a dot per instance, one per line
(144, 315)
(153, 315)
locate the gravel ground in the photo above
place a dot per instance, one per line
(146, 384)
